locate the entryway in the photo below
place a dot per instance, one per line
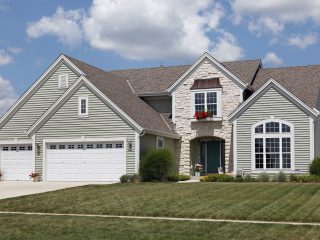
(210, 153)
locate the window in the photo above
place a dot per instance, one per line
(83, 106)
(119, 145)
(5, 148)
(160, 142)
(29, 148)
(80, 146)
(70, 146)
(63, 81)
(99, 145)
(53, 147)
(272, 145)
(13, 148)
(89, 145)
(109, 145)
(62, 146)
(22, 148)
(207, 101)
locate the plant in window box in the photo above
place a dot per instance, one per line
(201, 115)
(197, 168)
(35, 176)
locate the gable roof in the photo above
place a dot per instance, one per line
(206, 56)
(271, 83)
(303, 81)
(118, 90)
(157, 80)
(34, 87)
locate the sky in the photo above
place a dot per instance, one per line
(118, 34)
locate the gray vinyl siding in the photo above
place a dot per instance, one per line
(34, 108)
(160, 104)
(317, 136)
(101, 123)
(148, 142)
(272, 103)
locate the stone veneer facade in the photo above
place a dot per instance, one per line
(189, 130)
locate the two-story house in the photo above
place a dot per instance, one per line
(81, 123)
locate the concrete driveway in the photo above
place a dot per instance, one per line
(16, 189)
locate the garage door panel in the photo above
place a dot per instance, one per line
(87, 164)
(16, 164)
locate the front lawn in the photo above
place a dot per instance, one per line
(64, 227)
(254, 201)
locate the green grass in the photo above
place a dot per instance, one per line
(54, 228)
(252, 201)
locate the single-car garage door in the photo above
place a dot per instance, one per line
(102, 161)
(16, 162)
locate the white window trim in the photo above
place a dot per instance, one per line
(161, 139)
(279, 135)
(219, 101)
(67, 80)
(87, 106)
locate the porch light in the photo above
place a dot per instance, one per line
(130, 146)
(38, 149)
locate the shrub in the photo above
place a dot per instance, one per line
(177, 177)
(156, 165)
(315, 166)
(217, 178)
(305, 178)
(124, 178)
(279, 177)
(134, 178)
(238, 178)
(183, 177)
(263, 177)
(248, 178)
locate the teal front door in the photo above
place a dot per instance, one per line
(212, 155)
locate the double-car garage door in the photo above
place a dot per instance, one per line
(72, 161)
(99, 161)
(16, 162)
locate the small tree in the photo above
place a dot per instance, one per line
(156, 165)
(315, 166)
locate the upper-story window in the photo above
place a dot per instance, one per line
(63, 81)
(83, 106)
(272, 145)
(159, 142)
(206, 97)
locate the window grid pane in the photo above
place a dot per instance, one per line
(272, 127)
(83, 106)
(199, 102)
(285, 128)
(259, 129)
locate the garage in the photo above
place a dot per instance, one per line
(16, 162)
(99, 161)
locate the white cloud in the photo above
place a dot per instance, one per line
(15, 50)
(5, 58)
(144, 29)
(273, 15)
(227, 48)
(63, 24)
(7, 95)
(272, 59)
(303, 41)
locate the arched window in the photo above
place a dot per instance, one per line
(272, 145)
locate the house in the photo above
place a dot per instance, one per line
(81, 123)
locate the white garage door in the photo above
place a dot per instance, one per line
(85, 161)
(16, 162)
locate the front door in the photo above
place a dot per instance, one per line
(212, 155)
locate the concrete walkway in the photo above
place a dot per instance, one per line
(164, 218)
(9, 189)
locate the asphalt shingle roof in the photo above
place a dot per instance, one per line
(119, 91)
(302, 81)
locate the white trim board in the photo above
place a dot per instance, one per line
(271, 83)
(82, 81)
(34, 87)
(207, 56)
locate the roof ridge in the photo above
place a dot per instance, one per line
(126, 69)
(298, 66)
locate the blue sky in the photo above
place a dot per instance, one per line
(115, 34)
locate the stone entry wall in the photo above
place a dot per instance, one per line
(190, 129)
